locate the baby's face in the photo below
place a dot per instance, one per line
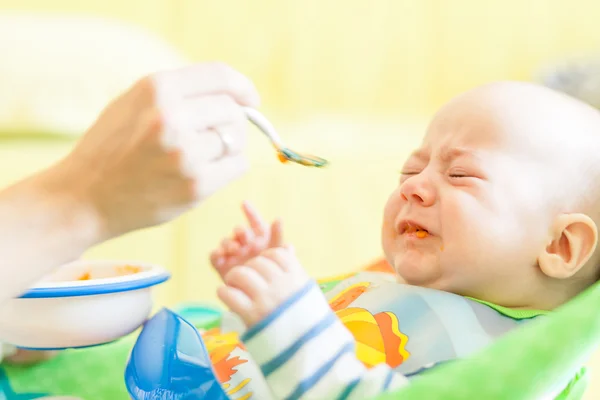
(470, 214)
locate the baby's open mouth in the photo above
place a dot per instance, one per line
(413, 229)
(419, 232)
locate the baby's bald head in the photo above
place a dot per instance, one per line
(559, 134)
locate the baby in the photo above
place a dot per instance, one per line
(499, 204)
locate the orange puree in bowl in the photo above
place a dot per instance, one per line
(127, 270)
(122, 270)
(84, 277)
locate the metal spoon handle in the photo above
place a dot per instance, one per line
(264, 125)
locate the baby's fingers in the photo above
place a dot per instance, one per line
(247, 280)
(217, 258)
(243, 236)
(236, 300)
(257, 223)
(285, 258)
(230, 247)
(265, 267)
(276, 234)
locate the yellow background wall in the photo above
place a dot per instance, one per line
(391, 56)
(353, 81)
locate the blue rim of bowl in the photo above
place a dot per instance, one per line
(95, 289)
(67, 348)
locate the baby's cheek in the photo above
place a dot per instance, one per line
(388, 235)
(485, 240)
(463, 236)
(392, 208)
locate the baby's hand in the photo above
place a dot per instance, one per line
(246, 243)
(257, 288)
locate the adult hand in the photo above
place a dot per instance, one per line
(166, 144)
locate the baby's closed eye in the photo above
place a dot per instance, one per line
(460, 173)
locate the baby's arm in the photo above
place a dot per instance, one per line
(303, 349)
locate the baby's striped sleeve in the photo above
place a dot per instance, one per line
(305, 352)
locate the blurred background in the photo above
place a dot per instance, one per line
(352, 81)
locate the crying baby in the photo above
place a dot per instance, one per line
(497, 210)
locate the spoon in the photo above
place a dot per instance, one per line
(284, 153)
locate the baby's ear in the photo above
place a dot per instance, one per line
(573, 242)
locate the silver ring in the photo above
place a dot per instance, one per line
(226, 141)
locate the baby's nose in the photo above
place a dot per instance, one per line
(419, 190)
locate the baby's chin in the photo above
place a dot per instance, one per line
(424, 272)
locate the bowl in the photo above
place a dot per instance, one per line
(81, 304)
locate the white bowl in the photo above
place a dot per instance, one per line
(84, 303)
